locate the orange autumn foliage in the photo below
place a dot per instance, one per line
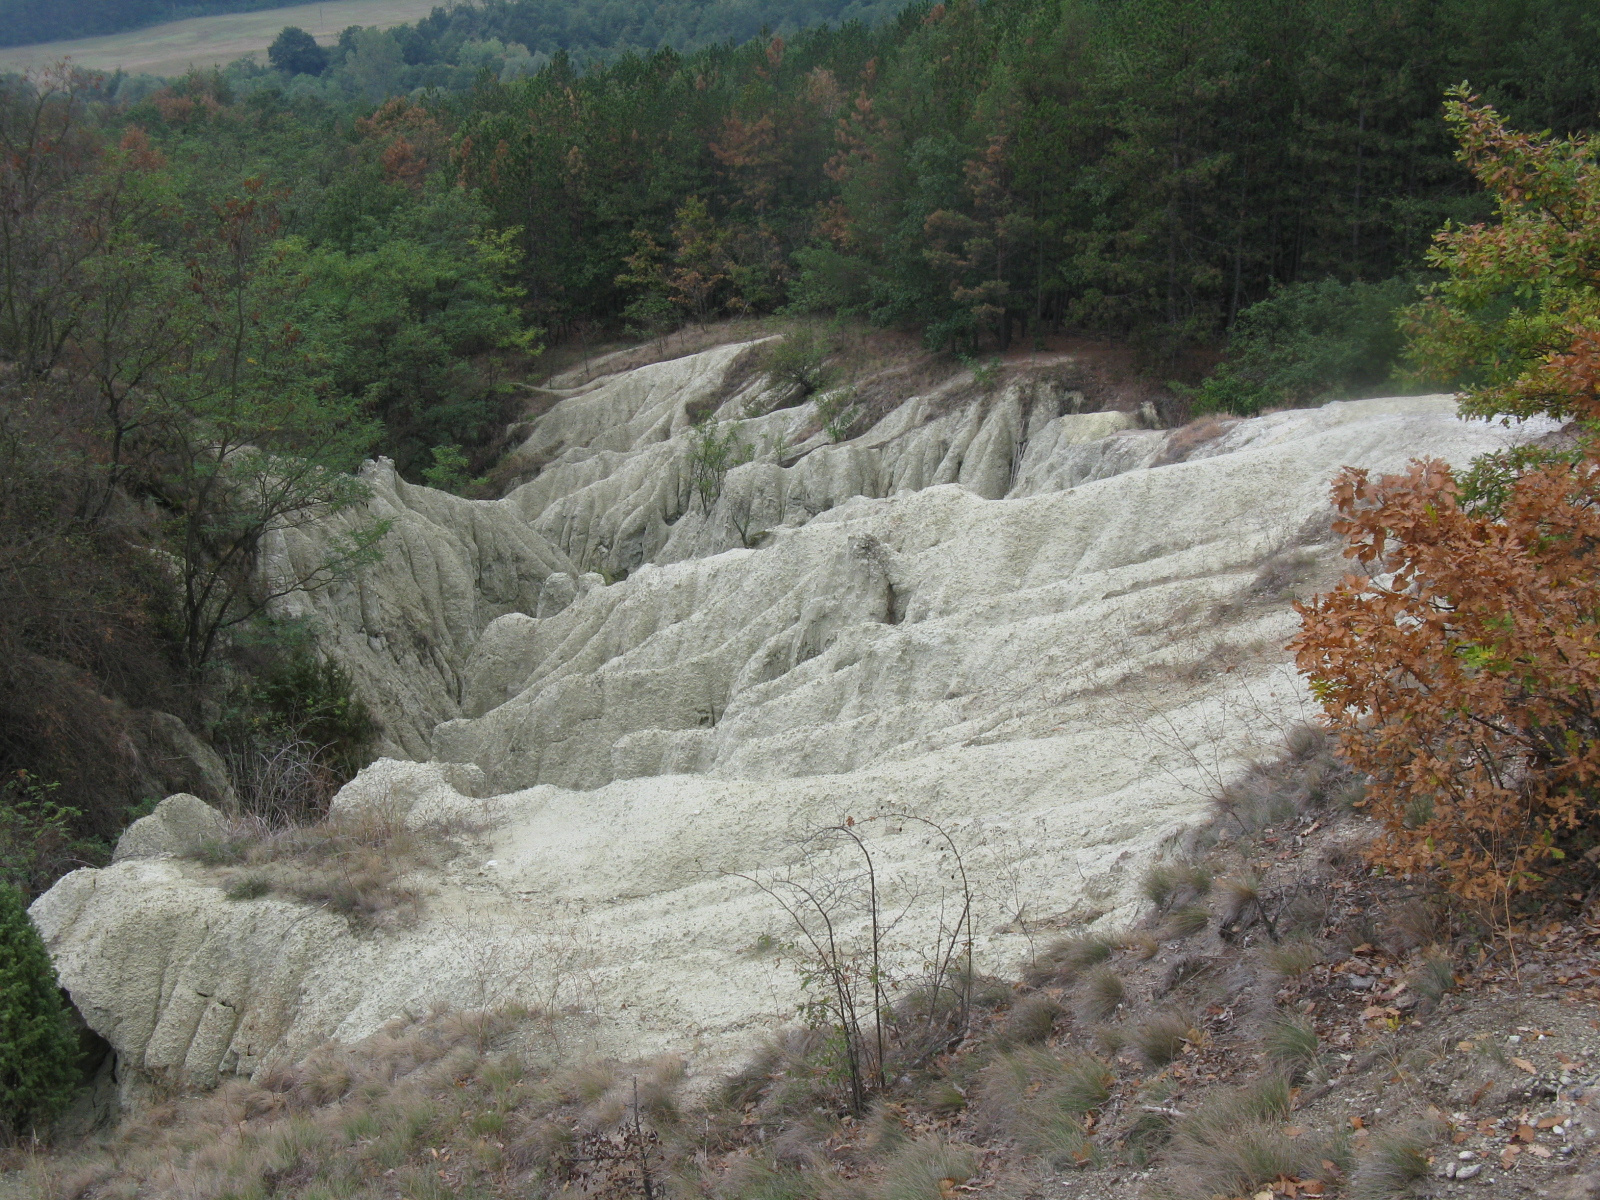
(1462, 671)
(1463, 676)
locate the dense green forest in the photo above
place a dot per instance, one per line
(218, 294)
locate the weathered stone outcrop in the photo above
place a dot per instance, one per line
(1052, 632)
(180, 824)
(404, 627)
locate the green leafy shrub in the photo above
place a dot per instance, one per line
(451, 470)
(798, 361)
(1308, 343)
(838, 411)
(714, 450)
(38, 1050)
(38, 842)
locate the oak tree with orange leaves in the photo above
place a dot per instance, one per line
(1461, 669)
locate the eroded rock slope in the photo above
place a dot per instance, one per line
(1052, 632)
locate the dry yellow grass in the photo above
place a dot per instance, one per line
(175, 47)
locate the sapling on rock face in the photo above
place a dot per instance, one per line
(836, 902)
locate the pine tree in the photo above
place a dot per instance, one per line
(38, 1052)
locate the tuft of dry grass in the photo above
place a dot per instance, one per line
(1235, 1141)
(1307, 741)
(1167, 882)
(1239, 895)
(353, 865)
(392, 1108)
(1396, 1161)
(1306, 779)
(1110, 1039)
(1161, 1039)
(1144, 946)
(925, 1169)
(1417, 922)
(1103, 994)
(1185, 922)
(1291, 1042)
(1434, 975)
(1030, 1021)
(1039, 1098)
(1062, 961)
(1290, 960)
(1181, 970)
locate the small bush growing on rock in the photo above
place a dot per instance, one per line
(38, 1050)
(838, 412)
(248, 887)
(714, 450)
(797, 362)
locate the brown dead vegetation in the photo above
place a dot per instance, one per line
(355, 865)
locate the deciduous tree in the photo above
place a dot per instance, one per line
(1462, 671)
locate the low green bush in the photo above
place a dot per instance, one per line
(1308, 343)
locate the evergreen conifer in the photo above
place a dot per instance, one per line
(38, 1051)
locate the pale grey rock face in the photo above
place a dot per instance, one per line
(180, 759)
(404, 627)
(180, 824)
(1005, 616)
(416, 795)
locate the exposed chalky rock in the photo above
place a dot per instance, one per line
(180, 824)
(1051, 632)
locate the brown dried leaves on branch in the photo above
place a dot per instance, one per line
(1464, 675)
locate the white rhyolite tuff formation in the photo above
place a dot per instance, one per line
(1054, 633)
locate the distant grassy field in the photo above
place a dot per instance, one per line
(173, 48)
